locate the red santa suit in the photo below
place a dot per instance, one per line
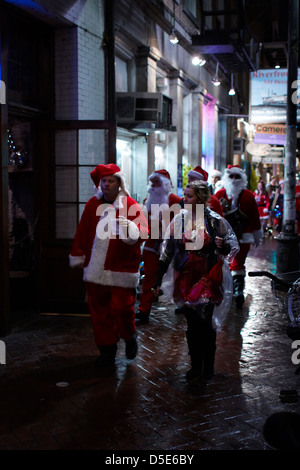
(251, 231)
(110, 256)
(151, 250)
(262, 201)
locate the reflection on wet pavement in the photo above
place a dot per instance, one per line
(146, 404)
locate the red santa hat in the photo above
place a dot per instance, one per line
(108, 170)
(163, 174)
(232, 169)
(198, 173)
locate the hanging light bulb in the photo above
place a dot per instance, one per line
(173, 37)
(232, 90)
(196, 60)
(215, 80)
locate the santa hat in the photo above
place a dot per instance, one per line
(214, 173)
(233, 169)
(108, 170)
(198, 173)
(163, 174)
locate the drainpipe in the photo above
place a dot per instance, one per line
(288, 243)
(108, 45)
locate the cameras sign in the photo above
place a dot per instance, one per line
(273, 134)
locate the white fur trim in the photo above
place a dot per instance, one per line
(214, 173)
(195, 174)
(119, 279)
(76, 261)
(233, 170)
(94, 270)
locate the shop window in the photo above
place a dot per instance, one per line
(22, 208)
(77, 152)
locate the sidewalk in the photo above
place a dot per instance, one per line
(52, 397)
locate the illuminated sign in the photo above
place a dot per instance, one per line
(273, 134)
(268, 96)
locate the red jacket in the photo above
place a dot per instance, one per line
(153, 244)
(109, 260)
(248, 206)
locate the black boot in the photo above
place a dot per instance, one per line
(209, 356)
(196, 370)
(141, 318)
(238, 289)
(131, 347)
(107, 356)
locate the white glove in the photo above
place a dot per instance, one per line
(129, 231)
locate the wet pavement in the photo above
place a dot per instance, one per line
(52, 397)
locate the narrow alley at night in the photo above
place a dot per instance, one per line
(56, 400)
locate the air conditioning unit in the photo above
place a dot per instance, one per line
(140, 107)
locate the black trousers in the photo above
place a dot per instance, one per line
(201, 338)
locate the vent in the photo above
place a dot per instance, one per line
(133, 108)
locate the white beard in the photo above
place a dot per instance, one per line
(233, 189)
(156, 196)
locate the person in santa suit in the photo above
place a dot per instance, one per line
(198, 174)
(240, 209)
(262, 200)
(213, 178)
(159, 193)
(107, 245)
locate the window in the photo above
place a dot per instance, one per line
(77, 152)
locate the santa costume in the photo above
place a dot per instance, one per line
(262, 200)
(109, 252)
(213, 174)
(158, 195)
(235, 195)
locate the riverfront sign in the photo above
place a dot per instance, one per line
(268, 96)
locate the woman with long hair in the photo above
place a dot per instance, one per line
(262, 200)
(198, 244)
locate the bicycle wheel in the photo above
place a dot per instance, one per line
(293, 305)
